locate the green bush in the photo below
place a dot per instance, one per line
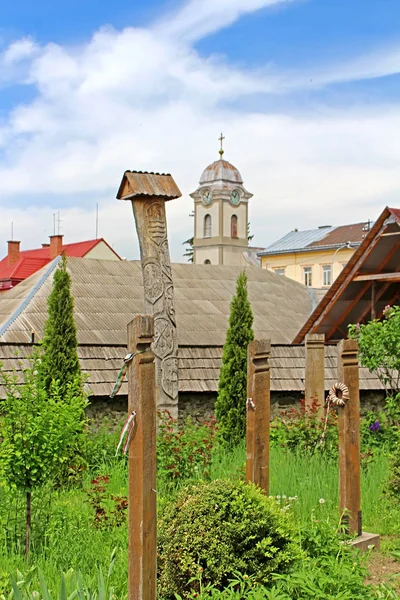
(222, 528)
(303, 429)
(101, 446)
(394, 481)
(184, 452)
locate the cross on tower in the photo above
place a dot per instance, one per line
(221, 139)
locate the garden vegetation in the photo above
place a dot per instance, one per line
(218, 537)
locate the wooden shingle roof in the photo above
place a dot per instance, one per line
(199, 368)
(108, 294)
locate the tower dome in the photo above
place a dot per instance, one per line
(220, 170)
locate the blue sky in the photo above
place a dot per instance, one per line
(306, 91)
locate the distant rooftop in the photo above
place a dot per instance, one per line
(20, 264)
(322, 238)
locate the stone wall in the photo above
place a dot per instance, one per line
(200, 406)
(105, 411)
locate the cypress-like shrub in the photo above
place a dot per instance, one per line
(60, 361)
(230, 407)
(218, 529)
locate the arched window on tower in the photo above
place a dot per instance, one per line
(207, 262)
(234, 223)
(207, 226)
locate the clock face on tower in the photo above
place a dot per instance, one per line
(207, 198)
(235, 197)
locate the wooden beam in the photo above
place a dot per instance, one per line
(349, 277)
(349, 439)
(362, 291)
(315, 371)
(373, 301)
(378, 277)
(378, 296)
(258, 414)
(142, 510)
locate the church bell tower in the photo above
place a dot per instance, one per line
(220, 215)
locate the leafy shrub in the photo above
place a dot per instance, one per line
(379, 347)
(394, 481)
(222, 528)
(186, 451)
(378, 430)
(99, 499)
(40, 435)
(327, 578)
(101, 446)
(303, 429)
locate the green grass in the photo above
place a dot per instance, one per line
(72, 541)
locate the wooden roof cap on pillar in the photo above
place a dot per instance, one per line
(141, 183)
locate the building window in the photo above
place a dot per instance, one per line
(326, 275)
(234, 220)
(207, 262)
(307, 276)
(280, 271)
(207, 226)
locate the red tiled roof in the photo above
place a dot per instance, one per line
(78, 250)
(354, 233)
(31, 261)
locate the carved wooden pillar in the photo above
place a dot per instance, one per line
(142, 518)
(349, 437)
(315, 370)
(258, 413)
(148, 193)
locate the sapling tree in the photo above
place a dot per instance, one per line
(60, 357)
(39, 432)
(230, 408)
(379, 347)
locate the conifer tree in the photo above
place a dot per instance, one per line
(230, 408)
(60, 361)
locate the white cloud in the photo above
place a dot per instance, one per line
(141, 99)
(198, 18)
(19, 50)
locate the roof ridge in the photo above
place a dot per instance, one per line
(30, 296)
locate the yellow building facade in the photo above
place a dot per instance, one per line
(315, 257)
(314, 269)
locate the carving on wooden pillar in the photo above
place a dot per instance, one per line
(148, 193)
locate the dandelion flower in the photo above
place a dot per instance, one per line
(321, 501)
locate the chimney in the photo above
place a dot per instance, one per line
(45, 245)
(56, 244)
(13, 252)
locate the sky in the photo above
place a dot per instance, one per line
(306, 92)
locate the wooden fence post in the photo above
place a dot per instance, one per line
(142, 517)
(258, 413)
(349, 438)
(315, 370)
